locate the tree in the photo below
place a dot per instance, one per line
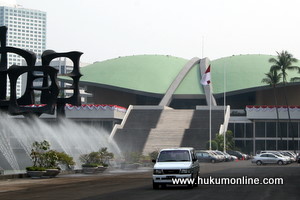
(285, 62)
(214, 145)
(229, 141)
(153, 155)
(105, 156)
(273, 78)
(43, 157)
(38, 153)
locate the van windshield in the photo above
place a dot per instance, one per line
(174, 156)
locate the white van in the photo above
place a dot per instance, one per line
(175, 163)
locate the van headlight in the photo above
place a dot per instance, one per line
(185, 171)
(157, 171)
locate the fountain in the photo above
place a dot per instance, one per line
(17, 136)
(18, 133)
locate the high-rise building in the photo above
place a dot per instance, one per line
(26, 30)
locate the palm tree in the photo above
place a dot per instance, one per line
(272, 79)
(284, 63)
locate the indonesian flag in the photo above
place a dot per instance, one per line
(206, 77)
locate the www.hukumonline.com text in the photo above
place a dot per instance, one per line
(244, 180)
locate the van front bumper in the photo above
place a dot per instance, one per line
(168, 178)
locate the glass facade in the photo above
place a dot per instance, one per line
(266, 135)
(26, 30)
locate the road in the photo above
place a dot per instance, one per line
(116, 185)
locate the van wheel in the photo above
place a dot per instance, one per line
(155, 186)
(213, 161)
(258, 162)
(280, 162)
(196, 180)
(190, 186)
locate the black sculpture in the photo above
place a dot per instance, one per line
(49, 89)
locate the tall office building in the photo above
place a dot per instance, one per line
(26, 30)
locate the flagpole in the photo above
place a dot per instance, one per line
(209, 117)
(224, 131)
(202, 46)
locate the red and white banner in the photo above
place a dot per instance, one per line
(96, 107)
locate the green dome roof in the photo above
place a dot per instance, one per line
(242, 72)
(145, 73)
(155, 73)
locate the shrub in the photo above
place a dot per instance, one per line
(132, 157)
(43, 157)
(90, 165)
(98, 158)
(35, 168)
(153, 155)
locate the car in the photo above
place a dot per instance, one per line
(220, 158)
(233, 157)
(227, 157)
(278, 153)
(288, 159)
(220, 154)
(204, 156)
(290, 154)
(269, 158)
(236, 153)
(298, 158)
(175, 163)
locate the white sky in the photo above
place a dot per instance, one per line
(105, 29)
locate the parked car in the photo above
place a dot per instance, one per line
(239, 155)
(288, 154)
(174, 163)
(220, 155)
(204, 156)
(226, 155)
(298, 158)
(278, 153)
(291, 154)
(246, 156)
(269, 158)
(233, 157)
(220, 158)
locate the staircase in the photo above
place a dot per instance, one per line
(147, 129)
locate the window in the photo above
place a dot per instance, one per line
(292, 145)
(205, 155)
(271, 145)
(260, 129)
(239, 130)
(249, 130)
(260, 145)
(282, 144)
(282, 129)
(271, 129)
(293, 129)
(174, 155)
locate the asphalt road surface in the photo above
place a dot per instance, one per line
(132, 185)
